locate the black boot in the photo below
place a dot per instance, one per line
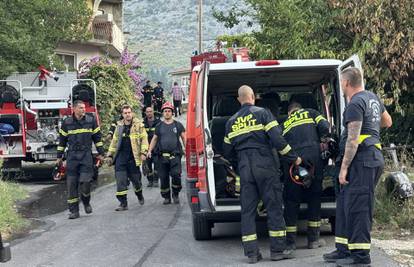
(140, 198)
(254, 259)
(334, 256)
(176, 199)
(167, 201)
(351, 261)
(73, 215)
(286, 254)
(88, 208)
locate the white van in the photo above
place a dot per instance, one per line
(212, 101)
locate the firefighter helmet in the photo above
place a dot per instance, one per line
(302, 174)
(167, 105)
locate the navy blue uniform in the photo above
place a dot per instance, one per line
(150, 128)
(355, 200)
(303, 130)
(78, 135)
(251, 134)
(158, 98)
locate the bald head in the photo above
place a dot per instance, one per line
(246, 95)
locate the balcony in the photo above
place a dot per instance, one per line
(108, 33)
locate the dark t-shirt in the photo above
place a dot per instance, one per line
(364, 106)
(168, 137)
(159, 92)
(126, 141)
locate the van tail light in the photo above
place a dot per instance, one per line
(267, 62)
(196, 162)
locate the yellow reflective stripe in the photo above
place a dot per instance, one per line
(246, 130)
(314, 223)
(291, 229)
(73, 200)
(270, 125)
(227, 140)
(96, 130)
(378, 145)
(341, 240)
(122, 193)
(359, 246)
(86, 195)
(165, 190)
(144, 147)
(80, 131)
(277, 233)
(175, 186)
(60, 148)
(99, 144)
(319, 118)
(305, 121)
(138, 190)
(62, 132)
(112, 149)
(247, 238)
(285, 150)
(362, 138)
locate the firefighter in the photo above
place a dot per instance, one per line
(158, 97)
(250, 134)
(168, 151)
(127, 151)
(150, 122)
(303, 130)
(148, 93)
(361, 166)
(77, 133)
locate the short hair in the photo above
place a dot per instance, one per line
(175, 83)
(294, 105)
(145, 109)
(126, 106)
(77, 103)
(353, 75)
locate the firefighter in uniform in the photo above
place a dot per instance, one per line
(250, 134)
(77, 133)
(158, 97)
(150, 122)
(166, 140)
(361, 166)
(303, 130)
(128, 150)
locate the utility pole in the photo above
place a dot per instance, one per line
(200, 30)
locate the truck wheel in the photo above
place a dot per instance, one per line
(332, 222)
(12, 169)
(201, 228)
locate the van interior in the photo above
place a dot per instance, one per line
(313, 87)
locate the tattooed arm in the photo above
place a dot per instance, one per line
(354, 130)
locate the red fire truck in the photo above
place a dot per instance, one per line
(32, 108)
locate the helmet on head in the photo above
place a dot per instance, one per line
(167, 105)
(302, 174)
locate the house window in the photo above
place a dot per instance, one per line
(69, 60)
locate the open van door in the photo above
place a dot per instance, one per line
(353, 61)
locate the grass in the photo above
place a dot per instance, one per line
(10, 220)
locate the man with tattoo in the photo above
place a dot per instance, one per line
(362, 165)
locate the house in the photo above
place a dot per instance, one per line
(108, 37)
(182, 77)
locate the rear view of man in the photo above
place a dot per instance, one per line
(178, 95)
(303, 130)
(127, 151)
(77, 133)
(361, 167)
(168, 151)
(150, 122)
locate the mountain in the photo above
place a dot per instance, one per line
(165, 32)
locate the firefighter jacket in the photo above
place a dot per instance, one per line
(255, 128)
(138, 137)
(305, 128)
(151, 129)
(79, 134)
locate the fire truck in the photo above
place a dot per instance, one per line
(32, 108)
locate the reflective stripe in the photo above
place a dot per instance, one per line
(112, 149)
(175, 186)
(122, 193)
(301, 122)
(99, 144)
(247, 238)
(362, 138)
(359, 246)
(60, 148)
(285, 150)
(291, 229)
(227, 141)
(165, 190)
(246, 130)
(314, 224)
(144, 147)
(86, 195)
(320, 118)
(135, 135)
(80, 131)
(73, 200)
(149, 129)
(270, 125)
(138, 190)
(277, 233)
(378, 145)
(96, 130)
(62, 132)
(341, 240)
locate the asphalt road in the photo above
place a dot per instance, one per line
(148, 235)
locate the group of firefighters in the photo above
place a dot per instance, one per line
(255, 137)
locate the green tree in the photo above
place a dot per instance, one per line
(31, 29)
